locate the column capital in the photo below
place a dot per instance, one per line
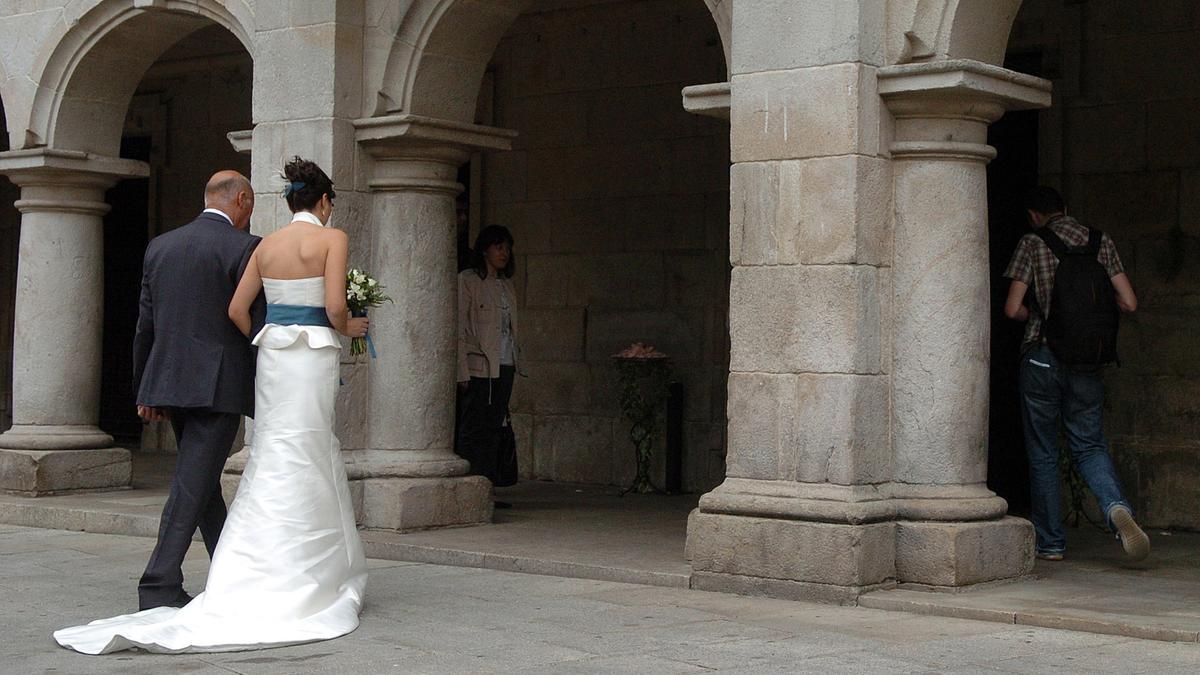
(66, 180)
(942, 108)
(711, 100)
(241, 141)
(944, 86)
(417, 153)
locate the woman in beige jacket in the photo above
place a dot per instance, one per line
(487, 354)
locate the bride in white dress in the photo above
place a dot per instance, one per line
(289, 565)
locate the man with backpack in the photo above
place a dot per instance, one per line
(1079, 289)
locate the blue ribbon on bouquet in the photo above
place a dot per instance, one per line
(367, 337)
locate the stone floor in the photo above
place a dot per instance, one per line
(439, 619)
(593, 533)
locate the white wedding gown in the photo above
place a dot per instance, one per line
(289, 566)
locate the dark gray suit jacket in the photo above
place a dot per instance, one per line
(186, 352)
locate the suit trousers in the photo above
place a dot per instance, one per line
(204, 438)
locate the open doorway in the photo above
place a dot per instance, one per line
(187, 101)
(619, 203)
(126, 230)
(1121, 144)
(1010, 175)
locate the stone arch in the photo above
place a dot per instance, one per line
(442, 48)
(931, 30)
(88, 72)
(722, 13)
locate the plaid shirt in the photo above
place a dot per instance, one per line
(1033, 263)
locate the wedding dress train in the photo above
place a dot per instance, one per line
(289, 565)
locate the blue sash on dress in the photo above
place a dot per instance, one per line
(297, 315)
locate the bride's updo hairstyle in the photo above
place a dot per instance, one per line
(305, 184)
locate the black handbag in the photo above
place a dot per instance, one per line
(506, 456)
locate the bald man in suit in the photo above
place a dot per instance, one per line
(193, 367)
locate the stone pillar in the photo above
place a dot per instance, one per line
(804, 510)
(55, 445)
(952, 529)
(411, 477)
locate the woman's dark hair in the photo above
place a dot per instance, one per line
(1045, 200)
(490, 236)
(306, 183)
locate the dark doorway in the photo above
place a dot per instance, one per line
(10, 237)
(126, 233)
(1009, 175)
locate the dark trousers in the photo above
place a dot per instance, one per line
(482, 412)
(204, 439)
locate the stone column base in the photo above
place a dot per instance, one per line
(951, 555)
(794, 559)
(403, 504)
(407, 504)
(55, 437)
(37, 473)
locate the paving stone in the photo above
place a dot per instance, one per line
(428, 618)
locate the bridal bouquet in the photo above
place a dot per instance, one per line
(362, 293)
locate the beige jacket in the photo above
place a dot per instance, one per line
(479, 325)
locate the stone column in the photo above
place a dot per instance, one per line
(952, 529)
(55, 445)
(411, 477)
(803, 511)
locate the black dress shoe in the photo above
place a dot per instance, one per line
(180, 600)
(501, 505)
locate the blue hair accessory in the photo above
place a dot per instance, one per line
(292, 187)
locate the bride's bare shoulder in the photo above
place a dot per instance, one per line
(280, 232)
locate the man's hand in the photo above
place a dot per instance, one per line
(149, 414)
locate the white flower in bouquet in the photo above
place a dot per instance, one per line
(362, 293)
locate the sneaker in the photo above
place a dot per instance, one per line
(1133, 539)
(1049, 556)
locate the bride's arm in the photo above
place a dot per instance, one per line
(335, 278)
(243, 297)
(335, 287)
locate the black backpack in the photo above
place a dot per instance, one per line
(1081, 328)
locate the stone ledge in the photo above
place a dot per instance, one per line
(783, 589)
(383, 545)
(906, 601)
(36, 513)
(711, 100)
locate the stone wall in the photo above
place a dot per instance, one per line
(619, 204)
(1122, 143)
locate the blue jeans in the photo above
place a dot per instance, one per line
(1048, 392)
